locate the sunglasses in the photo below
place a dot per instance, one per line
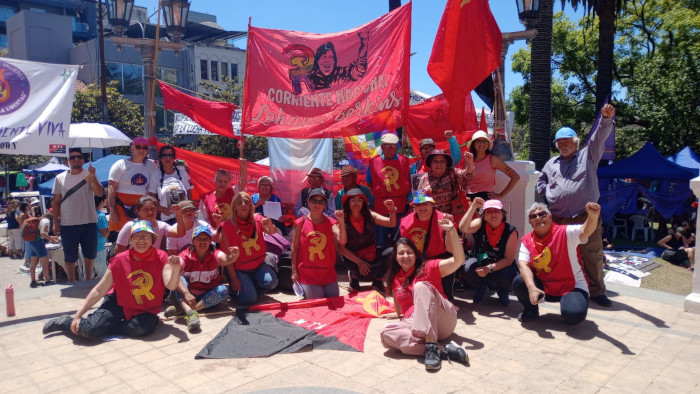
(141, 147)
(317, 201)
(541, 215)
(76, 157)
(167, 156)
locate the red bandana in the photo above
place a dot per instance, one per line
(245, 227)
(141, 256)
(358, 223)
(494, 235)
(541, 243)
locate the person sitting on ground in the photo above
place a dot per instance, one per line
(315, 179)
(175, 245)
(133, 288)
(427, 315)
(253, 272)
(549, 264)
(313, 249)
(147, 209)
(199, 286)
(688, 234)
(676, 249)
(348, 175)
(358, 244)
(495, 248)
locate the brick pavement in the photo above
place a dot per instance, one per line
(646, 343)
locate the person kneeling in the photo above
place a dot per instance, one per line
(199, 286)
(428, 316)
(549, 251)
(133, 288)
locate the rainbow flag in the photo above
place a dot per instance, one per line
(362, 147)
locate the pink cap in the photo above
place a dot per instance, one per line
(493, 204)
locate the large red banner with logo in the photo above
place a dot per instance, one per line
(305, 85)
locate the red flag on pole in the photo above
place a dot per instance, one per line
(430, 119)
(482, 123)
(467, 49)
(214, 116)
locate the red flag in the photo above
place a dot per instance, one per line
(430, 119)
(304, 85)
(214, 116)
(467, 49)
(482, 123)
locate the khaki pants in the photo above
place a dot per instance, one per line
(591, 254)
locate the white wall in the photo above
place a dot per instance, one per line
(522, 196)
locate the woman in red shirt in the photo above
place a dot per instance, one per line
(418, 296)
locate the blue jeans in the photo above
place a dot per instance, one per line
(254, 282)
(321, 291)
(211, 298)
(383, 233)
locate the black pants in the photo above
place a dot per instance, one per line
(573, 305)
(500, 280)
(109, 319)
(378, 266)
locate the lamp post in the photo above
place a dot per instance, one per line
(175, 14)
(528, 13)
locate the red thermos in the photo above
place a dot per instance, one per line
(10, 300)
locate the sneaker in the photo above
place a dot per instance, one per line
(379, 286)
(192, 319)
(48, 283)
(455, 352)
(528, 315)
(602, 300)
(479, 295)
(354, 284)
(432, 357)
(58, 324)
(34, 284)
(503, 298)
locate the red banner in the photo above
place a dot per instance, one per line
(304, 85)
(214, 116)
(430, 119)
(467, 49)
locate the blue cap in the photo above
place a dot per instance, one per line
(201, 229)
(564, 132)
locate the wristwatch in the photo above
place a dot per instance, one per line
(490, 268)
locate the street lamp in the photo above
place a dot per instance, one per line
(527, 12)
(175, 13)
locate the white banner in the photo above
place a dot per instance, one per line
(35, 107)
(184, 125)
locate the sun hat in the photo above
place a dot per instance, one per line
(317, 192)
(497, 204)
(355, 191)
(315, 172)
(438, 152)
(201, 229)
(139, 140)
(481, 134)
(427, 141)
(564, 132)
(34, 201)
(390, 138)
(421, 196)
(143, 225)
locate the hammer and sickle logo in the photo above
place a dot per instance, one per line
(417, 235)
(251, 243)
(318, 243)
(224, 210)
(391, 178)
(302, 58)
(144, 284)
(541, 261)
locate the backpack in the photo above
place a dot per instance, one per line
(30, 229)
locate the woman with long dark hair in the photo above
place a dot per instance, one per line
(427, 316)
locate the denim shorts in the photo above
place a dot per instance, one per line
(37, 248)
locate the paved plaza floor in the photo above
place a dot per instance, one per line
(645, 343)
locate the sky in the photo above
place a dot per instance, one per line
(317, 16)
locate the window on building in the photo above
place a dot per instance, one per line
(114, 73)
(169, 75)
(4, 49)
(6, 12)
(204, 69)
(214, 70)
(224, 70)
(132, 75)
(234, 71)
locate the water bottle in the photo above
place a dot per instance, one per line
(10, 300)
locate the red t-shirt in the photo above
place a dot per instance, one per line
(201, 276)
(253, 249)
(316, 255)
(220, 205)
(404, 295)
(139, 284)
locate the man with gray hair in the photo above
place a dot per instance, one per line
(569, 181)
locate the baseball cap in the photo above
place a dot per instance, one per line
(201, 229)
(564, 132)
(187, 204)
(492, 204)
(139, 140)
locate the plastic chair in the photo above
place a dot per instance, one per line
(642, 224)
(619, 223)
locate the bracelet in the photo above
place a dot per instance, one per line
(491, 268)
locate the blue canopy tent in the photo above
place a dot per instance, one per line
(667, 193)
(687, 158)
(101, 165)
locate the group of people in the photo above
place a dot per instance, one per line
(404, 233)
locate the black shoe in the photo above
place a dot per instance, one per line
(528, 315)
(432, 357)
(379, 286)
(455, 352)
(58, 324)
(34, 284)
(602, 300)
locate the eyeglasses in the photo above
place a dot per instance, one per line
(167, 156)
(541, 215)
(76, 157)
(141, 147)
(317, 201)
